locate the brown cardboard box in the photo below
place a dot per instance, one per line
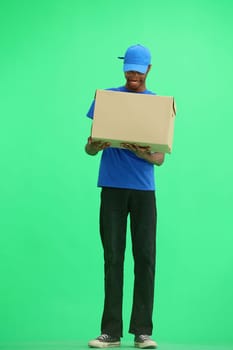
(146, 120)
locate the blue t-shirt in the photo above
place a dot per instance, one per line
(121, 168)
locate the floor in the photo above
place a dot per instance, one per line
(83, 346)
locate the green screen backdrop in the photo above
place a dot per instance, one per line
(54, 54)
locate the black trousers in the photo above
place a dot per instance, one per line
(116, 205)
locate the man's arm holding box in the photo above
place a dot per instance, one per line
(92, 148)
(156, 158)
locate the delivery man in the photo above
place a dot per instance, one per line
(126, 176)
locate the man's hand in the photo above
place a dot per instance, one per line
(156, 158)
(93, 147)
(138, 150)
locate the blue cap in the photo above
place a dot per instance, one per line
(137, 58)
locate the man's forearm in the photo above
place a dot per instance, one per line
(154, 158)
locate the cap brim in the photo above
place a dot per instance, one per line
(135, 68)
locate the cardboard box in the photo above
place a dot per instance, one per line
(145, 120)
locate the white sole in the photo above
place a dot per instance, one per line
(102, 345)
(151, 345)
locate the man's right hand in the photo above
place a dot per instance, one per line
(93, 147)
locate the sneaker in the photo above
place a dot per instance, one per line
(104, 341)
(144, 342)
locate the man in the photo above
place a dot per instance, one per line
(126, 176)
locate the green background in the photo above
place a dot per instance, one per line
(54, 54)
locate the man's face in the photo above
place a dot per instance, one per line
(135, 81)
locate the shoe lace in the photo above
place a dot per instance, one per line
(144, 337)
(103, 337)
